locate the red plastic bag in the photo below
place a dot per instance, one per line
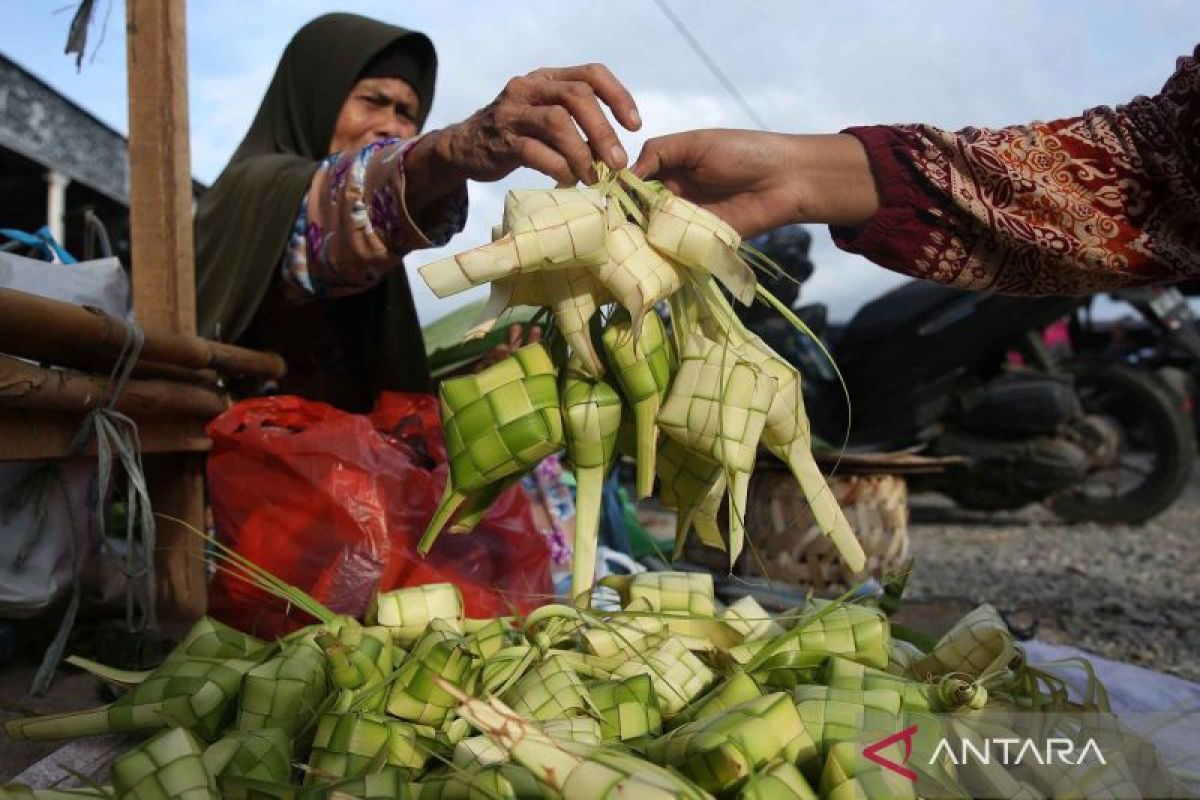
(325, 501)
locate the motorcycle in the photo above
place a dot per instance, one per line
(970, 375)
(1165, 338)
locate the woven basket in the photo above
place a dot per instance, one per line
(786, 545)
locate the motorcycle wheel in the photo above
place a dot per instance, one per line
(1157, 446)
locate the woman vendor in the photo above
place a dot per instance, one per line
(299, 242)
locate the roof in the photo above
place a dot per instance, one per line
(44, 126)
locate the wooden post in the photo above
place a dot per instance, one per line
(164, 294)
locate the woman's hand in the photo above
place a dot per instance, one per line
(759, 181)
(536, 121)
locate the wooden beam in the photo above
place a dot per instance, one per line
(27, 434)
(160, 198)
(164, 285)
(25, 385)
(68, 335)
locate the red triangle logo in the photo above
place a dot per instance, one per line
(906, 736)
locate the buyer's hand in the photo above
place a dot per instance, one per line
(536, 121)
(759, 181)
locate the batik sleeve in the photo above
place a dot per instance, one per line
(1108, 199)
(353, 225)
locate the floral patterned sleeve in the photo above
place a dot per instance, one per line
(353, 225)
(1107, 199)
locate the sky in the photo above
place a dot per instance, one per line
(804, 67)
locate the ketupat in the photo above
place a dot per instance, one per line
(642, 367)
(628, 708)
(699, 239)
(848, 775)
(498, 423)
(505, 781)
(210, 638)
(636, 274)
(842, 673)
(786, 434)
(858, 632)
(551, 690)
(355, 743)
(733, 690)
(193, 693)
(406, 612)
(389, 783)
(591, 410)
(627, 244)
(777, 781)
(543, 230)
(192, 688)
(284, 692)
(573, 295)
(168, 766)
(478, 751)
(694, 486)
(750, 620)
(669, 592)
(978, 644)
(489, 639)
(624, 633)
(264, 755)
(438, 657)
(679, 677)
(717, 406)
(720, 752)
(581, 730)
(686, 600)
(595, 748)
(575, 770)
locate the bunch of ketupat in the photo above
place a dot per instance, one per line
(674, 696)
(692, 399)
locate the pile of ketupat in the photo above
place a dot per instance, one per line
(691, 400)
(672, 697)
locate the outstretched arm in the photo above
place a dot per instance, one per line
(366, 209)
(1107, 199)
(759, 181)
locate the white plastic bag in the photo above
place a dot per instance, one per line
(46, 531)
(101, 283)
(43, 529)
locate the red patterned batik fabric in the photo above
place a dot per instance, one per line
(1108, 199)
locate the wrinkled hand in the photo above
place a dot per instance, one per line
(744, 177)
(532, 123)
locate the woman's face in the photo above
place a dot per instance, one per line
(376, 108)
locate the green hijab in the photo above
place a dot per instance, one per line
(244, 221)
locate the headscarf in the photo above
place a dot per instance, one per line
(245, 220)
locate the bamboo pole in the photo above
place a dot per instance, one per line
(48, 330)
(24, 385)
(168, 372)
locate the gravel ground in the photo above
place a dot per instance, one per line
(1130, 593)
